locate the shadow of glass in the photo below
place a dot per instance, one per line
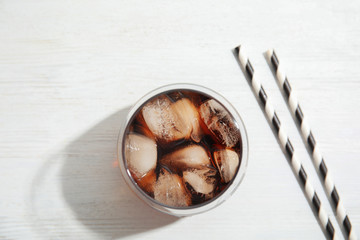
(93, 188)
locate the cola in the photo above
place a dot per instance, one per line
(182, 148)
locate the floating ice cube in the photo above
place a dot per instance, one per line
(162, 120)
(227, 161)
(172, 121)
(201, 180)
(140, 154)
(193, 156)
(219, 122)
(189, 117)
(139, 126)
(170, 190)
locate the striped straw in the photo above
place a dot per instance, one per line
(286, 145)
(308, 137)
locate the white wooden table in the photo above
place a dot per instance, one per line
(69, 71)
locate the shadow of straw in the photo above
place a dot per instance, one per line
(93, 188)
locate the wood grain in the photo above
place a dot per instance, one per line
(70, 70)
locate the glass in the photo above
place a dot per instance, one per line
(193, 209)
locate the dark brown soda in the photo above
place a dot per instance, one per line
(209, 142)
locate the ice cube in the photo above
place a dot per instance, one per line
(193, 156)
(139, 126)
(190, 118)
(140, 154)
(172, 121)
(201, 180)
(219, 122)
(227, 162)
(170, 190)
(162, 121)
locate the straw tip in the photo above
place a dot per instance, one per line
(237, 50)
(269, 51)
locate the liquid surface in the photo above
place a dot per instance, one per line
(182, 148)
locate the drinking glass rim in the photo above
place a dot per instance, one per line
(193, 209)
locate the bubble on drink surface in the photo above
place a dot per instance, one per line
(140, 154)
(193, 156)
(227, 162)
(220, 122)
(169, 189)
(201, 180)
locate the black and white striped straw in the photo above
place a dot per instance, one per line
(286, 145)
(308, 137)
